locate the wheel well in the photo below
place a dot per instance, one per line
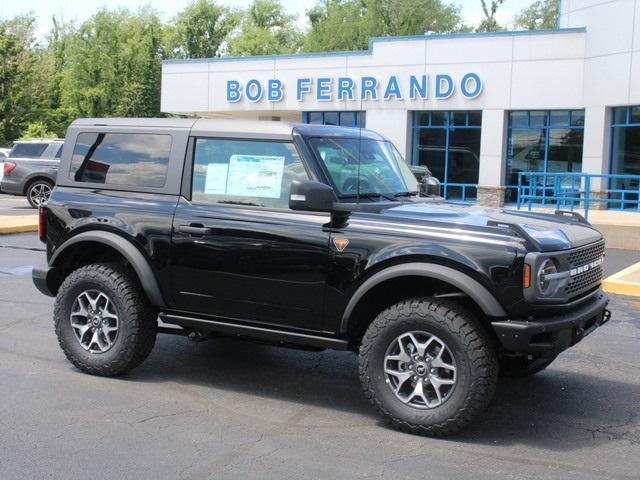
(31, 181)
(85, 253)
(394, 290)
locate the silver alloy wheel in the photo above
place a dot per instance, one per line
(39, 193)
(420, 370)
(94, 321)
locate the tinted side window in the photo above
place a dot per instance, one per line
(59, 152)
(245, 172)
(28, 150)
(133, 159)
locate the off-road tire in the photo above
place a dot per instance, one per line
(45, 184)
(137, 319)
(521, 367)
(471, 346)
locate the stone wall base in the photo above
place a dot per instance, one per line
(491, 196)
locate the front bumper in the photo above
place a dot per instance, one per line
(41, 277)
(552, 335)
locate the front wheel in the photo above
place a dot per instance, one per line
(428, 366)
(39, 192)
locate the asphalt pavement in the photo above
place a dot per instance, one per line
(12, 205)
(233, 409)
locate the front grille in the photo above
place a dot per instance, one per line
(583, 281)
(583, 256)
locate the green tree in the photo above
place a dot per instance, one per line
(540, 14)
(37, 130)
(489, 22)
(265, 29)
(113, 65)
(200, 30)
(348, 24)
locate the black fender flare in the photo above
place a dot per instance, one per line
(477, 292)
(129, 251)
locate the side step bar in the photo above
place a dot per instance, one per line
(263, 333)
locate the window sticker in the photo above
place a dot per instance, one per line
(216, 179)
(255, 176)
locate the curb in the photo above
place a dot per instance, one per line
(616, 283)
(22, 228)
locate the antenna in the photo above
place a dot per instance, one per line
(359, 116)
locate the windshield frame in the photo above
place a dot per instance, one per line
(395, 162)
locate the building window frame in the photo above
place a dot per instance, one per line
(359, 115)
(613, 185)
(473, 120)
(575, 121)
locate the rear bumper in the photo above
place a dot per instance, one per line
(552, 335)
(41, 277)
(8, 185)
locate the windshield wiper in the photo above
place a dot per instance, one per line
(405, 194)
(369, 195)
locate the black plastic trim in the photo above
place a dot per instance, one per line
(478, 293)
(262, 333)
(40, 277)
(137, 260)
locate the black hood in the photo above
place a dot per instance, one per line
(550, 232)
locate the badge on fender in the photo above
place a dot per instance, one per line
(340, 243)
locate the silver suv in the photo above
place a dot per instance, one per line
(31, 168)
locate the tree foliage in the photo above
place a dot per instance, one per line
(540, 14)
(348, 24)
(489, 22)
(265, 29)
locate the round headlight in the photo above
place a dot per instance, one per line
(548, 267)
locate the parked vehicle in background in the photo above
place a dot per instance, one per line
(4, 153)
(31, 168)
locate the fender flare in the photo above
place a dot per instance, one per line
(478, 293)
(137, 260)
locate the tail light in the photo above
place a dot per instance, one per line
(8, 166)
(42, 224)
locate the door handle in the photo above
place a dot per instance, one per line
(194, 229)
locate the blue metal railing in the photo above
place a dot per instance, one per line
(573, 190)
(460, 192)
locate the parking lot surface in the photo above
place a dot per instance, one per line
(234, 409)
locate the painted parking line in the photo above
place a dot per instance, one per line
(625, 282)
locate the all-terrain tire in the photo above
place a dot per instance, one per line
(137, 319)
(471, 346)
(521, 367)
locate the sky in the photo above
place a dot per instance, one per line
(82, 9)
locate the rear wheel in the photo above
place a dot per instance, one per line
(428, 366)
(38, 193)
(103, 321)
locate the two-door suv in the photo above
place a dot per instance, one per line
(309, 236)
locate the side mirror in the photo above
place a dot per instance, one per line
(430, 186)
(311, 196)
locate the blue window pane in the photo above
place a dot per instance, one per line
(559, 118)
(362, 119)
(348, 119)
(577, 118)
(475, 119)
(422, 118)
(459, 118)
(315, 118)
(634, 116)
(439, 118)
(331, 118)
(538, 119)
(519, 119)
(620, 115)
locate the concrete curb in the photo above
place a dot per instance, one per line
(625, 282)
(18, 224)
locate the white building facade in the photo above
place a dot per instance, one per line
(476, 109)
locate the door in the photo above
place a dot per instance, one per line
(238, 251)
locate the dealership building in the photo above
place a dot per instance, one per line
(476, 108)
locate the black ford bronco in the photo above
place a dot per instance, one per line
(314, 237)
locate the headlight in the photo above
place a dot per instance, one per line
(547, 286)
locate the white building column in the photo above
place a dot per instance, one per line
(493, 141)
(595, 153)
(393, 124)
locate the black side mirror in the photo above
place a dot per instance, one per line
(311, 196)
(430, 186)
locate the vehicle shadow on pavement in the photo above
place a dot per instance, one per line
(556, 409)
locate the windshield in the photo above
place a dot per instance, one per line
(380, 169)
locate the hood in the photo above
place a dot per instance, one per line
(549, 232)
